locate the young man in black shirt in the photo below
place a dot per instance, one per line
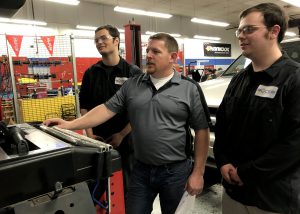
(100, 82)
(257, 142)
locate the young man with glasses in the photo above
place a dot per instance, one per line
(257, 143)
(160, 104)
(100, 82)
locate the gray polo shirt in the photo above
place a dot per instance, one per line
(158, 117)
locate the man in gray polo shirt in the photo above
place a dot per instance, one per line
(160, 104)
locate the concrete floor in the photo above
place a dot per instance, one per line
(208, 202)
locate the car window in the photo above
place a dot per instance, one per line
(240, 63)
(292, 48)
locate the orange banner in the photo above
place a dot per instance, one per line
(49, 43)
(15, 42)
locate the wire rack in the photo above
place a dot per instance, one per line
(43, 83)
(43, 74)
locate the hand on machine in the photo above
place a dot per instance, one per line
(60, 123)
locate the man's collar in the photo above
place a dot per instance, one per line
(275, 68)
(175, 79)
(119, 65)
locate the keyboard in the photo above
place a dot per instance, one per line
(75, 138)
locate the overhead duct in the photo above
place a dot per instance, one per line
(9, 7)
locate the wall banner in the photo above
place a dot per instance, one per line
(15, 42)
(217, 49)
(49, 43)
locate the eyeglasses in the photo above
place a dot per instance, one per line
(247, 30)
(103, 38)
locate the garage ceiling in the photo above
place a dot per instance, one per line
(218, 10)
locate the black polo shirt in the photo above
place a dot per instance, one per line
(258, 131)
(99, 84)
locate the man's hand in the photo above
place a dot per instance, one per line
(229, 173)
(96, 137)
(90, 134)
(57, 122)
(225, 171)
(115, 140)
(195, 183)
(235, 177)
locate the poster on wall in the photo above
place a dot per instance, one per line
(217, 49)
(15, 42)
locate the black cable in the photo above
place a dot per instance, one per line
(97, 201)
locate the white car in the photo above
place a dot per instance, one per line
(214, 90)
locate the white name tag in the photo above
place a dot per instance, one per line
(120, 80)
(266, 91)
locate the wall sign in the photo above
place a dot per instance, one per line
(217, 49)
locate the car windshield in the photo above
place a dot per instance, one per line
(240, 63)
(292, 48)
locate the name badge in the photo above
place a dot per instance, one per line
(120, 80)
(266, 91)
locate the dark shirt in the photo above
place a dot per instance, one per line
(99, 84)
(258, 131)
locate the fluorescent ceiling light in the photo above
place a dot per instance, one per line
(293, 2)
(22, 21)
(290, 40)
(207, 37)
(175, 35)
(69, 2)
(83, 27)
(150, 32)
(84, 33)
(289, 33)
(172, 34)
(27, 30)
(86, 27)
(209, 22)
(142, 12)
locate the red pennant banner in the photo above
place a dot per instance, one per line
(49, 43)
(15, 42)
(180, 58)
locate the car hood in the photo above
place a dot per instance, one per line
(214, 90)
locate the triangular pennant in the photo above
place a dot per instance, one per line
(49, 43)
(15, 42)
(180, 57)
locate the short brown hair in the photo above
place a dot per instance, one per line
(169, 40)
(113, 31)
(273, 15)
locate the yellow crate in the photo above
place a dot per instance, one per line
(33, 110)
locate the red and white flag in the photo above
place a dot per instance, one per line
(15, 42)
(49, 43)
